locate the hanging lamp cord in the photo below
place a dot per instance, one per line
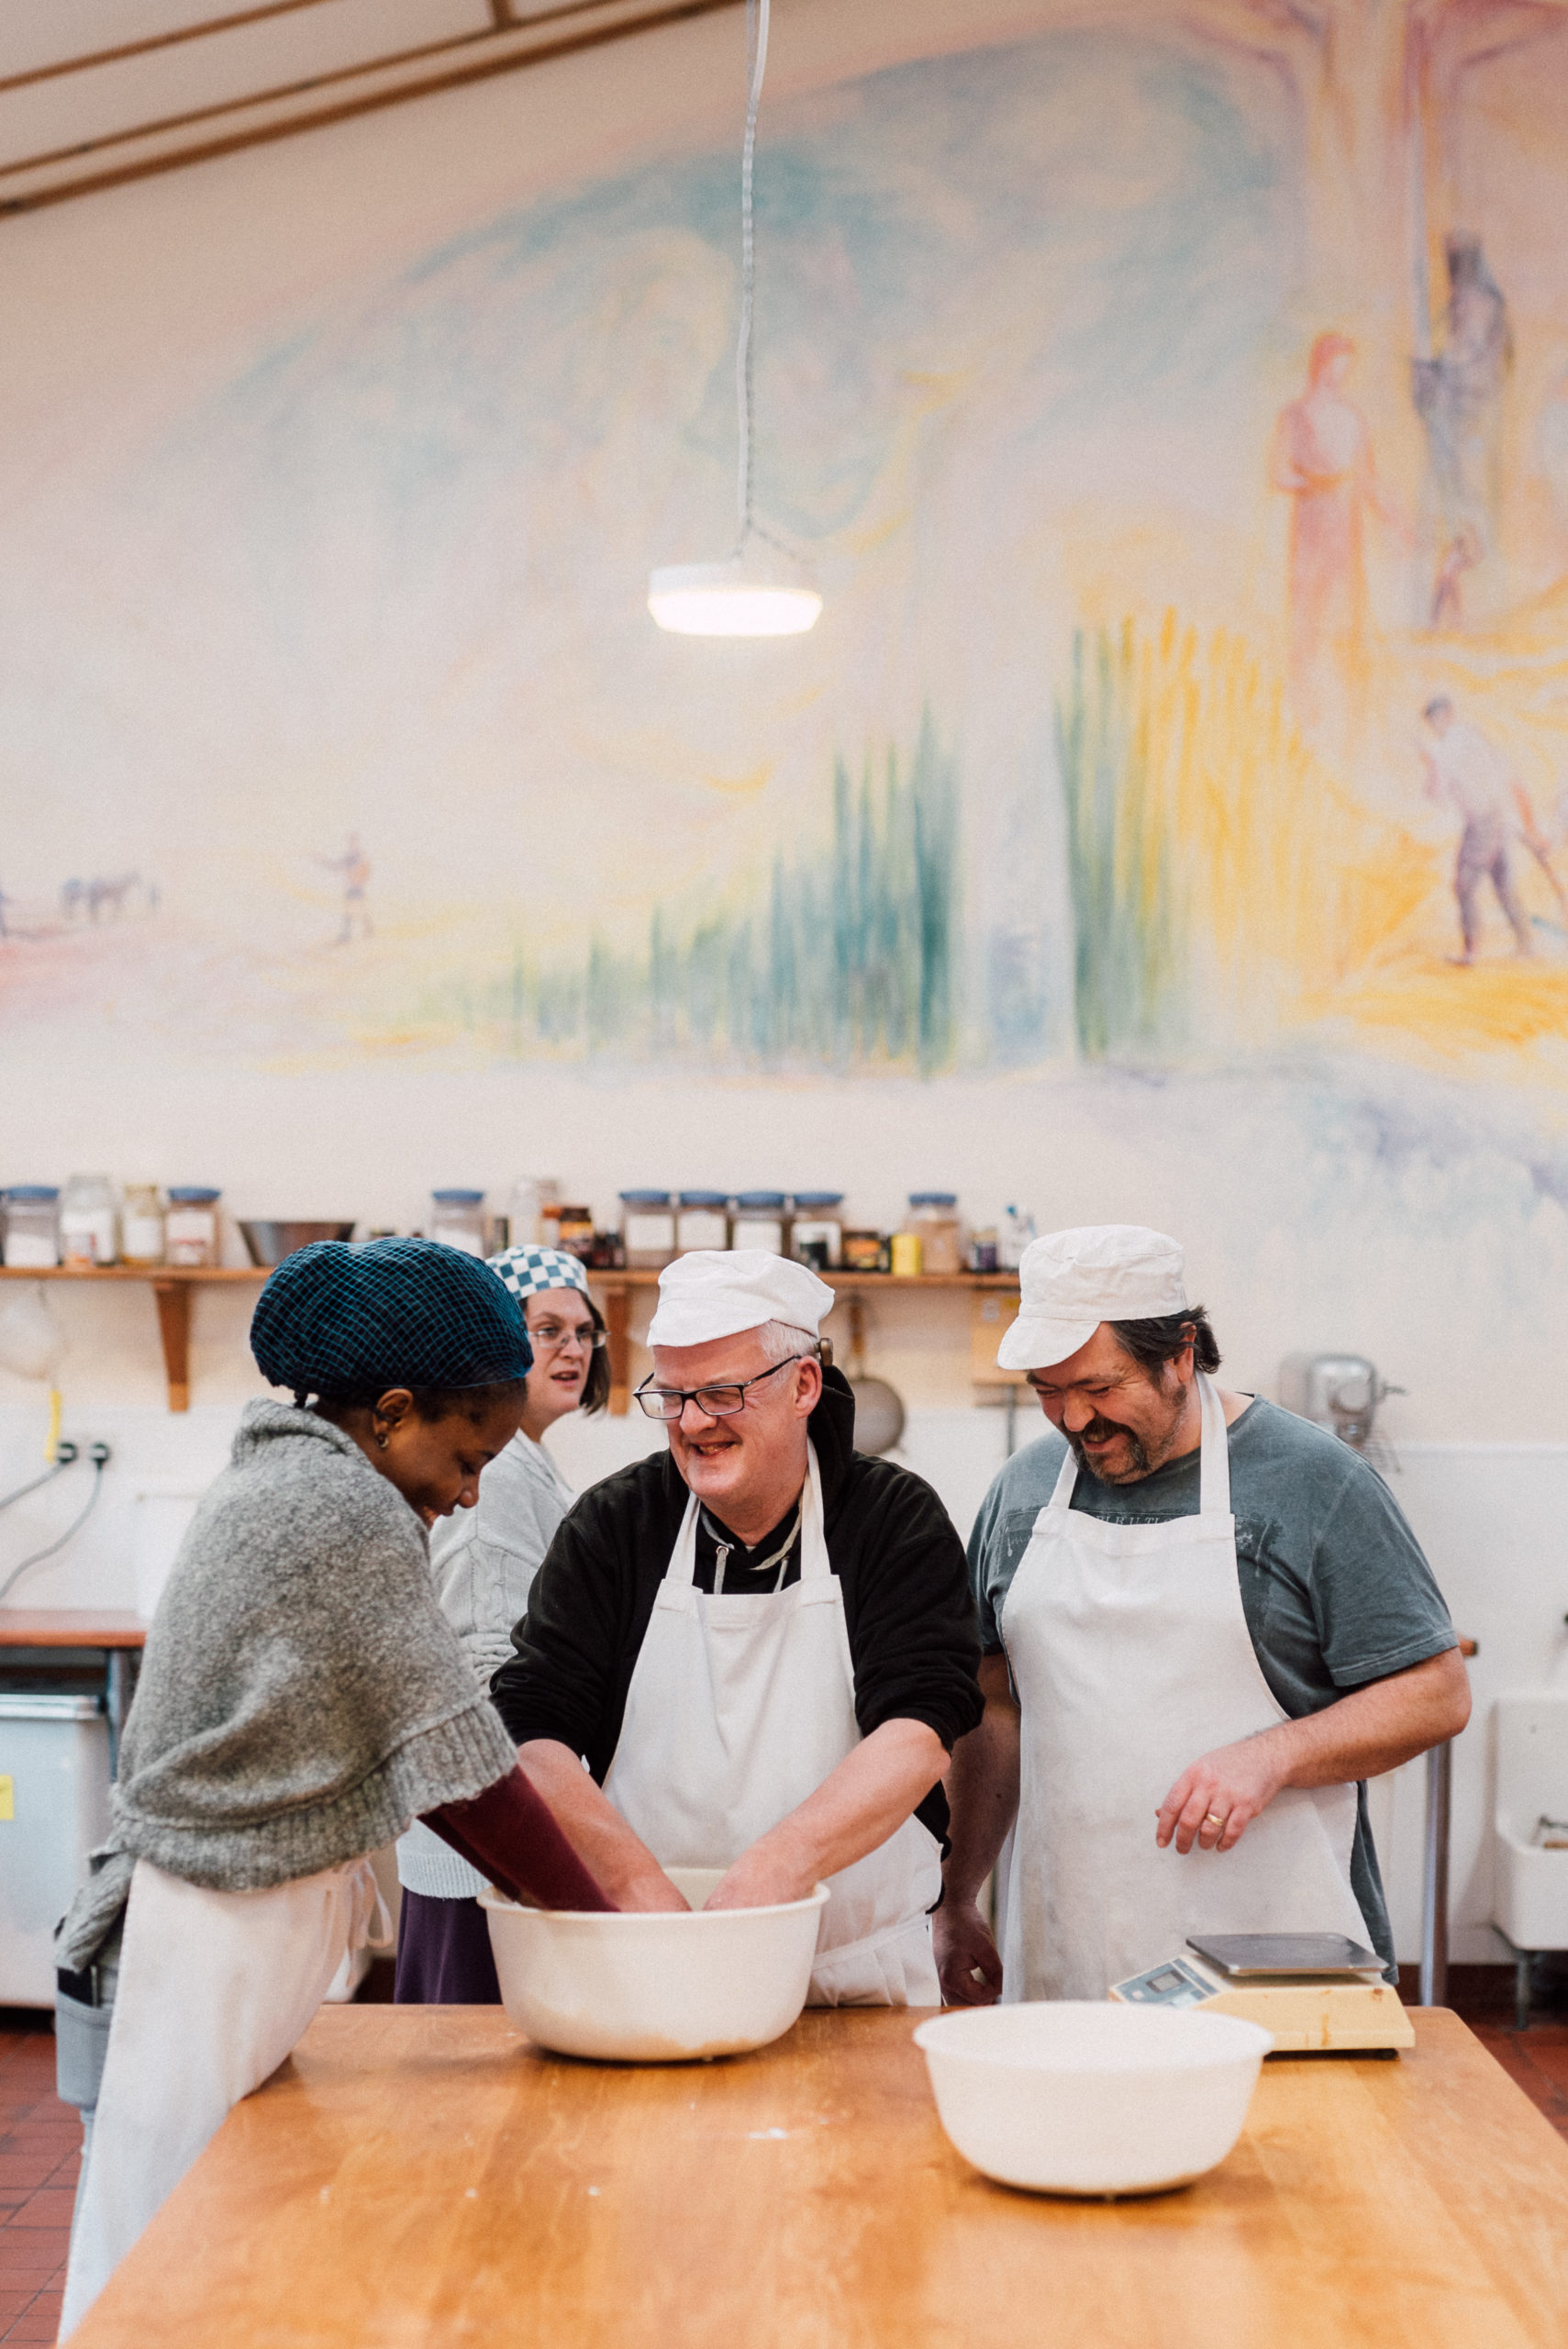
(756, 66)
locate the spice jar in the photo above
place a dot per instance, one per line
(864, 1252)
(647, 1229)
(190, 1227)
(457, 1220)
(933, 1214)
(141, 1225)
(574, 1231)
(759, 1221)
(32, 1227)
(87, 1221)
(703, 1221)
(817, 1235)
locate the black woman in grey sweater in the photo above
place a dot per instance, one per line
(302, 1698)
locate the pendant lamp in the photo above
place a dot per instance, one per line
(759, 588)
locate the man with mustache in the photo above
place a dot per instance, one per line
(1206, 1623)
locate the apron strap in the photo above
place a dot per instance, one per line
(1213, 1474)
(814, 1566)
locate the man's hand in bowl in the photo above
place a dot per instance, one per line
(650, 1890)
(761, 1878)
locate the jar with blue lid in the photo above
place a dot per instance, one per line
(32, 1227)
(648, 1229)
(702, 1221)
(457, 1220)
(933, 1216)
(817, 1230)
(190, 1225)
(760, 1221)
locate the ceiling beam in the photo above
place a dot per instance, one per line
(507, 47)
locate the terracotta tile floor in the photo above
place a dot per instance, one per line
(39, 2141)
(39, 2138)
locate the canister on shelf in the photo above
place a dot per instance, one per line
(457, 1220)
(759, 1221)
(983, 1250)
(816, 1234)
(648, 1229)
(703, 1221)
(32, 1227)
(906, 1255)
(87, 1221)
(865, 1251)
(574, 1231)
(532, 1195)
(190, 1227)
(934, 1216)
(141, 1225)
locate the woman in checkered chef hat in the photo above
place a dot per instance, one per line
(483, 1563)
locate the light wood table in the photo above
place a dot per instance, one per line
(420, 2177)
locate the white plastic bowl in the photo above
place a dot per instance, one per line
(661, 1988)
(1067, 2096)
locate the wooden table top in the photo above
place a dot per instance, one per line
(70, 1626)
(420, 2177)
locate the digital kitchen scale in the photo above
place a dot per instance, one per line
(1321, 1994)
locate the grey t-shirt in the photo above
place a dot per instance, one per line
(1334, 1585)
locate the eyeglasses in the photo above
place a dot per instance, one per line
(553, 1335)
(713, 1402)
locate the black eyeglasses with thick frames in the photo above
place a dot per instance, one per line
(714, 1402)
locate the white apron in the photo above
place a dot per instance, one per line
(1130, 1656)
(215, 1990)
(738, 1707)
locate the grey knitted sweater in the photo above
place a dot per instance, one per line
(302, 1696)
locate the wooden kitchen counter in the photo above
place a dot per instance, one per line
(419, 2177)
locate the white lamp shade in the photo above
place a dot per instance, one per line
(743, 595)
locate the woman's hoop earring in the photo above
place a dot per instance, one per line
(381, 1439)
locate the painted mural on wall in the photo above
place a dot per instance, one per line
(1178, 416)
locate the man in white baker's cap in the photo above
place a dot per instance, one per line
(1206, 1623)
(761, 1640)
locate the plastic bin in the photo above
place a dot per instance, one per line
(54, 1808)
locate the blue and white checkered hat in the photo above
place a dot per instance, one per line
(528, 1270)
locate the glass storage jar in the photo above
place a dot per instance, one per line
(141, 1225)
(865, 1251)
(190, 1227)
(648, 1229)
(934, 1215)
(87, 1221)
(457, 1220)
(759, 1221)
(702, 1221)
(32, 1227)
(816, 1231)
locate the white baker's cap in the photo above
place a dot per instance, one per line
(1071, 1281)
(716, 1292)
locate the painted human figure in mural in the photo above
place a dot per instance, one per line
(1458, 399)
(1475, 777)
(354, 866)
(1322, 458)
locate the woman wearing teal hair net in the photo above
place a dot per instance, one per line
(302, 1698)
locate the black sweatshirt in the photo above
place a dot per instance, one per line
(913, 1640)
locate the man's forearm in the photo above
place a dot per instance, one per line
(616, 1857)
(1376, 1728)
(983, 1787)
(858, 1805)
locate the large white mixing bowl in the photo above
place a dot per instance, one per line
(1069, 2097)
(660, 1989)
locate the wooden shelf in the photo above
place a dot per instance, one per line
(170, 1285)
